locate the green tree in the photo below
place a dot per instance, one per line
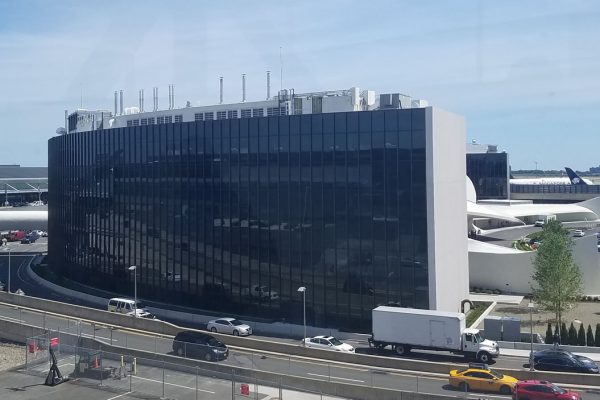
(581, 335)
(590, 336)
(572, 335)
(564, 334)
(549, 335)
(597, 336)
(557, 279)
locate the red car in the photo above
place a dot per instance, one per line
(539, 390)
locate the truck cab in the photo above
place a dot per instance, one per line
(483, 349)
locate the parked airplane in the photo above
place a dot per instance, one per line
(572, 179)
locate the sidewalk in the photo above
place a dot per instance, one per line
(525, 354)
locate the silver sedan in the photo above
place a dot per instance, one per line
(231, 326)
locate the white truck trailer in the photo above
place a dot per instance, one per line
(407, 328)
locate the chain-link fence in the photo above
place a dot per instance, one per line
(86, 350)
(121, 373)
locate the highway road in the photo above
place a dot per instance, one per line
(276, 363)
(316, 369)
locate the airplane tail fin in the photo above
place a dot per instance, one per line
(574, 178)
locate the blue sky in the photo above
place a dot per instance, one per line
(525, 74)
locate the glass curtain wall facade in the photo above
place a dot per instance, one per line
(489, 174)
(234, 215)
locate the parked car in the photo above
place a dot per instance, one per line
(172, 276)
(15, 236)
(563, 361)
(479, 377)
(39, 233)
(260, 292)
(199, 345)
(231, 326)
(327, 343)
(539, 222)
(578, 233)
(540, 390)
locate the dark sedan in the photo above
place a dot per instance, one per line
(563, 361)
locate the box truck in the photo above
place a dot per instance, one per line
(407, 328)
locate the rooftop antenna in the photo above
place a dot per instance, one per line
(142, 105)
(172, 97)
(121, 101)
(281, 68)
(81, 98)
(155, 93)
(170, 106)
(116, 102)
(220, 90)
(243, 88)
(268, 84)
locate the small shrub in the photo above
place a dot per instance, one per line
(549, 336)
(564, 334)
(590, 337)
(581, 335)
(597, 336)
(572, 335)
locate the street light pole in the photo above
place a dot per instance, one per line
(134, 269)
(303, 290)
(9, 250)
(530, 306)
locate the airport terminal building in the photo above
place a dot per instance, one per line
(228, 210)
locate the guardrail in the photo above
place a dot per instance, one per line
(70, 346)
(165, 328)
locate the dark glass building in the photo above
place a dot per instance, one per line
(234, 215)
(489, 173)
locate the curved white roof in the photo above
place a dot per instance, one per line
(11, 220)
(475, 210)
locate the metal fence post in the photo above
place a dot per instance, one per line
(232, 384)
(27, 344)
(280, 388)
(44, 320)
(130, 378)
(58, 335)
(101, 368)
(155, 338)
(196, 382)
(163, 379)
(255, 388)
(94, 330)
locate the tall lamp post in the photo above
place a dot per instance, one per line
(531, 306)
(134, 269)
(303, 290)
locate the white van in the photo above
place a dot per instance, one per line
(127, 306)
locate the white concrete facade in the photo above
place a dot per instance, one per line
(510, 270)
(446, 210)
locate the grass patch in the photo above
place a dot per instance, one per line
(476, 312)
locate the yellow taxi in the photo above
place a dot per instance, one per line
(479, 377)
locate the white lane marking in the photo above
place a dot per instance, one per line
(335, 377)
(97, 337)
(172, 384)
(12, 319)
(116, 397)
